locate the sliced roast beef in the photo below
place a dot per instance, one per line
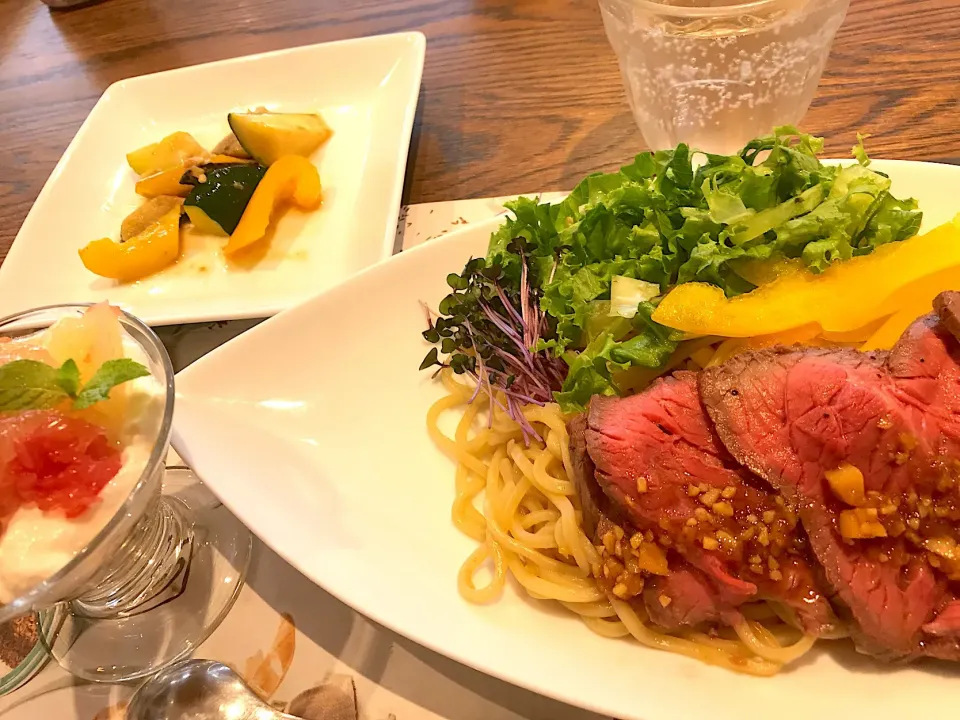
(925, 365)
(947, 307)
(746, 400)
(946, 624)
(818, 425)
(710, 469)
(594, 505)
(655, 454)
(683, 597)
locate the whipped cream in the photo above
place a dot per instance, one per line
(36, 545)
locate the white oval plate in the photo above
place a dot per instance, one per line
(311, 428)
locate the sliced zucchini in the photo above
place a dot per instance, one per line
(169, 153)
(220, 195)
(202, 222)
(268, 136)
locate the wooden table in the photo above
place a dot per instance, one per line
(518, 95)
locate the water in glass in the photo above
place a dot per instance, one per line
(715, 74)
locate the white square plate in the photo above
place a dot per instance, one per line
(366, 90)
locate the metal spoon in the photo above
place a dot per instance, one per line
(199, 690)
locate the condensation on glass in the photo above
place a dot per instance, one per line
(716, 73)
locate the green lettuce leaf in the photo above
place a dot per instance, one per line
(893, 221)
(664, 220)
(591, 371)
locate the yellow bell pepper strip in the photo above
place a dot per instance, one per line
(144, 254)
(702, 356)
(846, 296)
(761, 272)
(290, 179)
(803, 335)
(855, 337)
(229, 160)
(726, 350)
(913, 300)
(169, 153)
(891, 330)
(164, 183)
(168, 181)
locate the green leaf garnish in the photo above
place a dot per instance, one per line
(34, 385)
(69, 378)
(30, 384)
(110, 374)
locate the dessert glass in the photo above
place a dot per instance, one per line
(163, 571)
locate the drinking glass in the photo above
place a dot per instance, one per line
(717, 73)
(161, 574)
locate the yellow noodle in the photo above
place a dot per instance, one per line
(601, 609)
(733, 646)
(449, 446)
(606, 628)
(532, 519)
(542, 540)
(704, 651)
(511, 505)
(466, 517)
(478, 558)
(553, 588)
(763, 643)
(530, 526)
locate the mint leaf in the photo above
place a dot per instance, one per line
(34, 385)
(68, 378)
(30, 385)
(107, 377)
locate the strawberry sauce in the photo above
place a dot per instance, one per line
(54, 461)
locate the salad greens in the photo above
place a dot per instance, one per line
(536, 318)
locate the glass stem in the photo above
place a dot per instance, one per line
(149, 569)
